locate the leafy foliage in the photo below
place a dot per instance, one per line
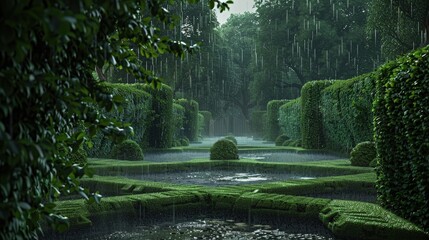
(346, 112)
(79, 156)
(273, 128)
(48, 51)
(290, 118)
(191, 118)
(311, 116)
(363, 154)
(127, 150)
(281, 139)
(401, 136)
(224, 149)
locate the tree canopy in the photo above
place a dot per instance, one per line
(49, 97)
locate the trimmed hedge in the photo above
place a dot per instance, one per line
(401, 121)
(311, 116)
(206, 127)
(136, 110)
(178, 122)
(224, 149)
(257, 123)
(127, 150)
(281, 139)
(160, 128)
(290, 119)
(346, 112)
(273, 127)
(363, 154)
(191, 118)
(201, 125)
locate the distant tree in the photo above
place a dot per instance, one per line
(49, 98)
(401, 25)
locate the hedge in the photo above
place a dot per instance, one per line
(311, 116)
(135, 110)
(206, 125)
(401, 121)
(178, 121)
(290, 119)
(257, 122)
(273, 127)
(191, 118)
(346, 109)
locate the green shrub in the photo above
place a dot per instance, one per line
(79, 157)
(178, 122)
(296, 143)
(127, 150)
(223, 149)
(346, 109)
(257, 123)
(288, 142)
(290, 118)
(402, 136)
(184, 141)
(281, 139)
(311, 116)
(363, 154)
(136, 110)
(231, 138)
(273, 127)
(374, 163)
(191, 118)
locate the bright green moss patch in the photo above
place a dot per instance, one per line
(358, 220)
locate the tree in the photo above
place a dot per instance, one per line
(401, 25)
(49, 98)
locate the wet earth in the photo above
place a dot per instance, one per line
(209, 229)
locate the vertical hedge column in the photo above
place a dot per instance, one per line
(290, 119)
(191, 118)
(311, 116)
(401, 120)
(160, 129)
(273, 127)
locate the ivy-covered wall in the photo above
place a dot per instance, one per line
(191, 118)
(136, 110)
(401, 121)
(311, 116)
(273, 127)
(160, 127)
(346, 109)
(290, 119)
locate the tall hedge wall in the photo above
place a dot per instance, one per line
(135, 110)
(207, 118)
(401, 120)
(191, 118)
(273, 127)
(346, 109)
(178, 121)
(160, 127)
(257, 122)
(311, 116)
(290, 119)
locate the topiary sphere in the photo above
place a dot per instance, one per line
(184, 141)
(281, 139)
(223, 150)
(79, 157)
(363, 154)
(127, 150)
(231, 138)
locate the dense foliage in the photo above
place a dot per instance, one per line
(273, 127)
(363, 154)
(290, 118)
(224, 149)
(178, 119)
(346, 112)
(127, 150)
(136, 110)
(190, 126)
(48, 51)
(401, 135)
(281, 139)
(311, 115)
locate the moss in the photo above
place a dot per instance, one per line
(358, 220)
(224, 150)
